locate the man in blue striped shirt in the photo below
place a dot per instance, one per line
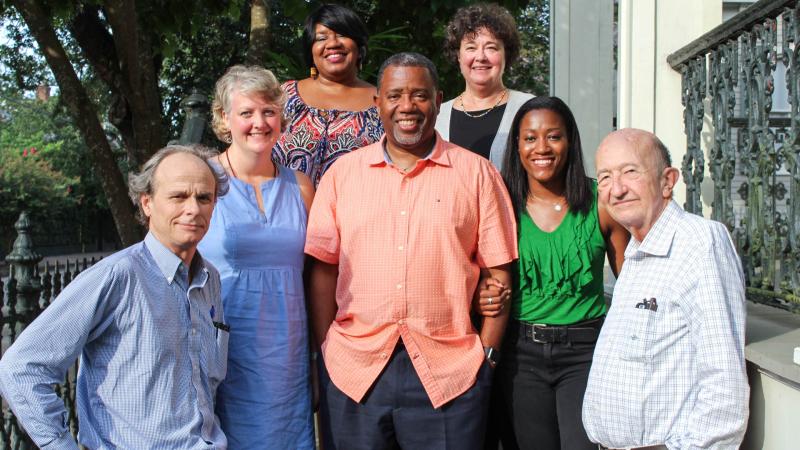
(146, 322)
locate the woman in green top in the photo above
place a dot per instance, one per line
(557, 305)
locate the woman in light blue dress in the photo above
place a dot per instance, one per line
(256, 241)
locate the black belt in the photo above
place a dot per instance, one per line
(581, 332)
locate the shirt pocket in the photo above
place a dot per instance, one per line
(218, 364)
(637, 339)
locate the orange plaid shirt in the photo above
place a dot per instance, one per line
(409, 247)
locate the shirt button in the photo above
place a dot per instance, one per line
(401, 321)
(402, 213)
(194, 331)
(383, 355)
(400, 247)
(399, 286)
(416, 355)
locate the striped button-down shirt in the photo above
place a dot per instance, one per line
(669, 365)
(151, 356)
(409, 247)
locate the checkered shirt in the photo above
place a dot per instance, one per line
(673, 374)
(151, 357)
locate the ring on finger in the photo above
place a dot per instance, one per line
(490, 300)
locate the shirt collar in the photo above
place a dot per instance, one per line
(658, 240)
(169, 263)
(438, 153)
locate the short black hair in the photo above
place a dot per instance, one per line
(409, 59)
(578, 191)
(340, 19)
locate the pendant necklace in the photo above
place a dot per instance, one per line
(233, 172)
(477, 116)
(557, 206)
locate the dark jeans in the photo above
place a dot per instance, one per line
(543, 387)
(397, 413)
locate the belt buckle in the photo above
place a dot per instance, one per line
(533, 335)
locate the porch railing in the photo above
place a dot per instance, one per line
(28, 290)
(748, 71)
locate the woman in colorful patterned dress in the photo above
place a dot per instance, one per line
(256, 240)
(331, 112)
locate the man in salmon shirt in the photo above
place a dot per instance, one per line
(401, 232)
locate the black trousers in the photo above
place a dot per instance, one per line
(397, 413)
(543, 387)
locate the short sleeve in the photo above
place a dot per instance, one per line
(322, 236)
(497, 229)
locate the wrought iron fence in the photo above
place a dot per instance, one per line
(28, 290)
(754, 148)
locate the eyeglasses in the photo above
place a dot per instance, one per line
(628, 174)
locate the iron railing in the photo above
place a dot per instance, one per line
(28, 290)
(754, 152)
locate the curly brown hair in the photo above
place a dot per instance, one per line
(469, 19)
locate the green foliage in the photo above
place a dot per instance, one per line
(44, 168)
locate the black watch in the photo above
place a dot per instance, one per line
(492, 355)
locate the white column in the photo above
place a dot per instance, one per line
(649, 89)
(582, 65)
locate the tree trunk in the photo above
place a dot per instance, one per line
(84, 114)
(259, 33)
(139, 76)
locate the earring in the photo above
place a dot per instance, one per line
(314, 73)
(228, 138)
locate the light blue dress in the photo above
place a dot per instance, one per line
(264, 402)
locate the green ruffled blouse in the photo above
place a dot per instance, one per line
(561, 273)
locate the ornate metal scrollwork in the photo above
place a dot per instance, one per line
(724, 70)
(693, 86)
(791, 148)
(759, 156)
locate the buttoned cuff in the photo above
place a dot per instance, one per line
(63, 442)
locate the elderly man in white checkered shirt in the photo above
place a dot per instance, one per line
(669, 369)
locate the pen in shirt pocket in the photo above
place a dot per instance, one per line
(651, 304)
(218, 325)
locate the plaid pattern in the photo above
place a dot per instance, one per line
(674, 373)
(409, 247)
(151, 358)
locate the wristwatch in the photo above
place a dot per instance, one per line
(492, 355)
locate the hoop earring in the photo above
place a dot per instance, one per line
(314, 73)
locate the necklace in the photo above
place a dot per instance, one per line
(557, 206)
(233, 172)
(478, 116)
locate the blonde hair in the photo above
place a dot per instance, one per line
(248, 80)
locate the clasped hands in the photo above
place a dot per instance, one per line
(491, 297)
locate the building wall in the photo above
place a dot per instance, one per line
(649, 90)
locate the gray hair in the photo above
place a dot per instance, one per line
(249, 80)
(664, 159)
(142, 183)
(409, 59)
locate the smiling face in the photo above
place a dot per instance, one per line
(543, 147)
(254, 121)
(482, 58)
(335, 56)
(179, 209)
(631, 182)
(408, 104)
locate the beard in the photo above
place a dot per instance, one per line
(410, 140)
